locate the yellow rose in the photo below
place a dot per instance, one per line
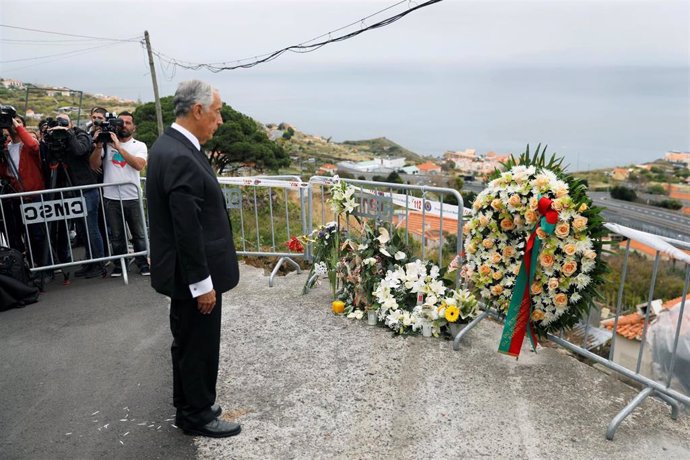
(533, 203)
(561, 300)
(589, 254)
(583, 207)
(495, 258)
(541, 233)
(497, 204)
(487, 243)
(569, 268)
(484, 270)
(570, 249)
(553, 283)
(483, 221)
(562, 229)
(508, 251)
(541, 181)
(476, 205)
(561, 192)
(536, 288)
(466, 228)
(507, 224)
(537, 315)
(497, 290)
(579, 223)
(516, 269)
(514, 200)
(557, 205)
(531, 217)
(546, 260)
(497, 276)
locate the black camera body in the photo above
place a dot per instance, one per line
(111, 124)
(7, 113)
(56, 140)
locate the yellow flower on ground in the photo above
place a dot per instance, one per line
(452, 314)
(338, 307)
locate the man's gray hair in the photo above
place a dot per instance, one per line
(192, 92)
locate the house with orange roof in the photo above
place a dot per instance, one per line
(429, 168)
(429, 226)
(620, 174)
(629, 332)
(327, 169)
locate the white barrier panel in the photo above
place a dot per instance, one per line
(48, 211)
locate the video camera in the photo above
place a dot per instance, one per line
(111, 124)
(56, 140)
(7, 113)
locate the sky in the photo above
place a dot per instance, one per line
(488, 34)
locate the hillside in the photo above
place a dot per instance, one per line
(323, 150)
(46, 102)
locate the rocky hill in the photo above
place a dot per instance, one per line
(324, 150)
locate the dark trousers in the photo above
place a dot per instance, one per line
(195, 349)
(129, 212)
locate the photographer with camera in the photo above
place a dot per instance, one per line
(20, 169)
(68, 149)
(122, 159)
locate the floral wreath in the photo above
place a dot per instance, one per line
(534, 225)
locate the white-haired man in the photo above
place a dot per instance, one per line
(193, 259)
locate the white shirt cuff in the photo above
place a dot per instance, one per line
(201, 288)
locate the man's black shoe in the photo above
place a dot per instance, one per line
(215, 409)
(96, 271)
(214, 429)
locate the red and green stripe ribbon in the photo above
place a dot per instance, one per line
(517, 322)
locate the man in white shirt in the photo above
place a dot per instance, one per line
(122, 160)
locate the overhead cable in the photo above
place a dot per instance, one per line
(304, 47)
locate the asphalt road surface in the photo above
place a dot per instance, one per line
(85, 373)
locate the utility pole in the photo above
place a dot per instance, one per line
(159, 112)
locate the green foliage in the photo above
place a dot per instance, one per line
(394, 178)
(621, 192)
(238, 140)
(657, 189)
(669, 283)
(669, 204)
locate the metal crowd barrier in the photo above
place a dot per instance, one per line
(266, 211)
(652, 385)
(35, 219)
(423, 212)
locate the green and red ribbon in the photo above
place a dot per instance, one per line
(518, 322)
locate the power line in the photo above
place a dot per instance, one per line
(66, 53)
(75, 53)
(303, 47)
(72, 35)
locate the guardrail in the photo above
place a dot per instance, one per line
(667, 363)
(40, 224)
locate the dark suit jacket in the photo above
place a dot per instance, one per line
(191, 237)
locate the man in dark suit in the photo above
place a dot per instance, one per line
(193, 259)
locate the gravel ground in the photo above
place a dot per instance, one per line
(305, 383)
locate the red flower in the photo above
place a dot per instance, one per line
(295, 245)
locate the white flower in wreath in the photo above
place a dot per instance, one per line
(362, 247)
(383, 251)
(400, 255)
